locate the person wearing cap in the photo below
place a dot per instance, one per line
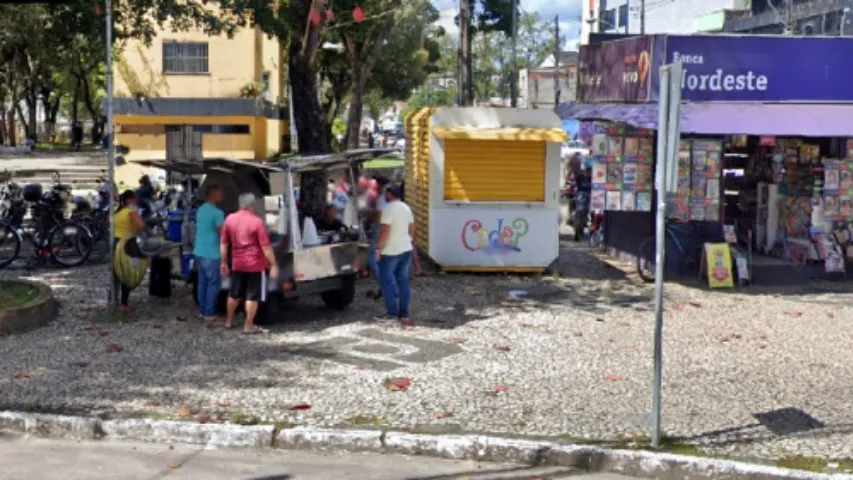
(394, 253)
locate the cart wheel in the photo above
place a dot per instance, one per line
(341, 298)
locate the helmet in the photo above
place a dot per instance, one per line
(32, 192)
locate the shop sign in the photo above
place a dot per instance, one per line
(617, 71)
(720, 68)
(487, 237)
(717, 261)
(766, 141)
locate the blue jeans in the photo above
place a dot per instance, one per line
(209, 285)
(394, 280)
(371, 257)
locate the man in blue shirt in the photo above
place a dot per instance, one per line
(209, 220)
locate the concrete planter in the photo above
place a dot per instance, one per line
(33, 314)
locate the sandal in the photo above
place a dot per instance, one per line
(255, 331)
(229, 327)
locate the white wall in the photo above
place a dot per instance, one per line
(667, 16)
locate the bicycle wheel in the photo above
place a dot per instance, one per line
(10, 244)
(646, 260)
(69, 244)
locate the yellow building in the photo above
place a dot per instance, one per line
(231, 92)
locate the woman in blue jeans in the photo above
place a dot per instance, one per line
(394, 252)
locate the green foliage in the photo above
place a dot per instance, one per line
(431, 95)
(339, 127)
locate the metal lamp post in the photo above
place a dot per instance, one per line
(111, 159)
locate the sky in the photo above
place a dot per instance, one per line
(568, 10)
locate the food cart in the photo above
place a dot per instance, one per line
(328, 268)
(484, 186)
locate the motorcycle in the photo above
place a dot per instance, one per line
(580, 214)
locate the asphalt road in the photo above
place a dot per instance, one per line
(41, 459)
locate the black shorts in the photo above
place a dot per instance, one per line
(249, 286)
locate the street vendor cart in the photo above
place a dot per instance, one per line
(328, 267)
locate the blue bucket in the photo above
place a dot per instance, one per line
(186, 264)
(174, 222)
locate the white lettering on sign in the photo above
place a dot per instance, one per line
(719, 81)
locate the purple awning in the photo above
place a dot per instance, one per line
(778, 119)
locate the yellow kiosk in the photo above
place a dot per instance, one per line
(484, 186)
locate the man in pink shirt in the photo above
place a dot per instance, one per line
(251, 255)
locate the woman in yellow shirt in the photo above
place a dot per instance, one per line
(128, 224)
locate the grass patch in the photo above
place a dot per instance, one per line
(62, 147)
(16, 294)
(366, 420)
(388, 161)
(815, 464)
(240, 418)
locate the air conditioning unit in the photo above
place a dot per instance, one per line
(812, 26)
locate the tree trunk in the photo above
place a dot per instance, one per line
(75, 103)
(10, 125)
(308, 114)
(97, 119)
(51, 111)
(356, 105)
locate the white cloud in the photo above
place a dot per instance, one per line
(568, 10)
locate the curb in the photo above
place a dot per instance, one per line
(458, 447)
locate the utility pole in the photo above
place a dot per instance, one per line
(111, 155)
(642, 17)
(514, 84)
(556, 60)
(464, 83)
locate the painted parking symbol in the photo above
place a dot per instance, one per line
(362, 350)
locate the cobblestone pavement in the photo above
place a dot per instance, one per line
(750, 373)
(39, 459)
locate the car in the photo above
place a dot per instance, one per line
(400, 144)
(572, 147)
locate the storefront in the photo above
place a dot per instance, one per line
(764, 150)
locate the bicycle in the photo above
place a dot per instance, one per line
(48, 232)
(98, 225)
(646, 258)
(596, 236)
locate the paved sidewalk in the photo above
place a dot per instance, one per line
(750, 373)
(37, 459)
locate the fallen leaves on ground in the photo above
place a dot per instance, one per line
(499, 389)
(677, 307)
(762, 346)
(407, 324)
(300, 406)
(599, 319)
(398, 384)
(696, 304)
(81, 316)
(223, 404)
(174, 465)
(152, 404)
(818, 365)
(830, 314)
(501, 348)
(113, 349)
(185, 412)
(578, 334)
(443, 415)
(526, 325)
(613, 379)
(794, 314)
(157, 325)
(203, 419)
(79, 364)
(458, 340)
(23, 376)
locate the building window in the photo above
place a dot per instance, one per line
(185, 58)
(266, 82)
(141, 129)
(214, 129)
(623, 17)
(607, 20)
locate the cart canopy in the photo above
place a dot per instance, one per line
(332, 161)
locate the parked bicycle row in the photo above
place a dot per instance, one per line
(57, 227)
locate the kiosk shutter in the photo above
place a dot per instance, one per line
(494, 170)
